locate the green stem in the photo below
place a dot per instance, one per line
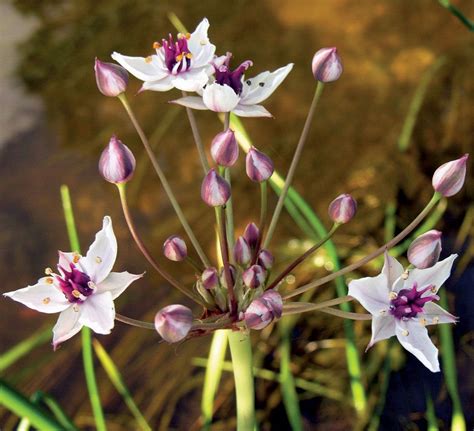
(87, 357)
(263, 206)
(229, 212)
(458, 14)
(241, 352)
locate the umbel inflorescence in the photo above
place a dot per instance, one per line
(242, 291)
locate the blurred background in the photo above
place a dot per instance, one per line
(402, 60)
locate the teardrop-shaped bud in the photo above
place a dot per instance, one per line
(342, 209)
(215, 190)
(174, 322)
(242, 252)
(264, 310)
(223, 278)
(259, 166)
(449, 178)
(224, 148)
(252, 235)
(254, 276)
(117, 162)
(327, 65)
(265, 259)
(424, 251)
(174, 248)
(275, 301)
(112, 79)
(210, 278)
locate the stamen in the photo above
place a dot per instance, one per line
(435, 320)
(405, 275)
(76, 293)
(48, 271)
(248, 82)
(156, 45)
(433, 289)
(187, 35)
(179, 57)
(405, 333)
(423, 321)
(76, 258)
(393, 295)
(49, 280)
(46, 300)
(261, 84)
(98, 259)
(75, 308)
(189, 55)
(148, 59)
(382, 311)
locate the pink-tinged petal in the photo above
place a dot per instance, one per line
(192, 102)
(392, 269)
(98, 312)
(436, 275)
(372, 293)
(220, 98)
(43, 297)
(251, 111)
(204, 57)
(413, 336)
(100, 257)
(383, 327)
(263, 85)
(65, 259)
(67, 325)
(146, 69)
(164, 84)
(191, 80)
(434, 314)
(199, 38)
(117, 282)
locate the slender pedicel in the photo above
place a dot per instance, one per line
(294, 163)
(128, 217)
(300, 259)
(434, 200)
(134, 322)
(164, 181)
(336, 312)
(229, 208)
(302, 307)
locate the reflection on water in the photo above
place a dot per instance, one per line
(386, 48)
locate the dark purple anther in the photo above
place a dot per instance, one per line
(232, 78)
(410, 302)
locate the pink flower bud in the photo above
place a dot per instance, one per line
(210, 278)
(449, 178)
(215, 190)
(174, 322)
(224, 148)
(223, 278)
(175, 248)
(327, 65)
(252, 235)
(424, 251)
(254, 276)
(274, 299)
(242, 252)
(342, 209)
(259, 166)
(112, 79)
(117, 162)
(265, 259)
(263, 310)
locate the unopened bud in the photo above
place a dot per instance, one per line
(117, 162)
(449, 178)
(175, 248)
(210, 278)
(265, 259)
(263, 310)
(112, 79)
(215, 190)
(254, 276)
(252, 235)
(224, 148)
(259, 167)
(174, 322)
(327, 65)
(424, 251)
(274, 299)
(342, 209)
(223, 277)
(242, 252)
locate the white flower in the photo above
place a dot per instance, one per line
(83, 291)
(184, 64)
(231, 92)
(402, 304)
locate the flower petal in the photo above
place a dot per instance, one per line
(164, 84)
(117, 282)
(100, 257)
(67, 325)
(434, 314)
(98, 312)
(392, 268)
(220, 98)
(43, 297)
(191, 102)
(383, 327)
(141, 67)
(436, 275)
(413, 336)
(251, 111)
(191, 80)
(371, 292)
(199, 37)
(263, 85)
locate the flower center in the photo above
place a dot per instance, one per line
(75, 284)
(409, 302)
(177, 54)
(232, 78)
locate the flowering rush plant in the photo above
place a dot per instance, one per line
(243, 291)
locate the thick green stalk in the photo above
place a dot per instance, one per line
(241, 352)
(86, 332)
